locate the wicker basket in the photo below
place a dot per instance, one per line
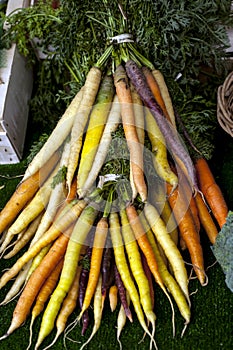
(225, 105)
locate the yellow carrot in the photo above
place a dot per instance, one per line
(158, 197)
(167, 278)
(67, 307)
(76, 241)
(170, 249)
(159, 150)
(95, 127)
(111, 126)
(135, 262)
(123, 268)
(37, 260)
(170, 282)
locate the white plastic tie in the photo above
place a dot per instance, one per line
(106, 178)
(122, 38)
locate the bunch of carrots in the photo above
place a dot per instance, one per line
(88, 236)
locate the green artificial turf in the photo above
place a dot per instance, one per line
(212, 306)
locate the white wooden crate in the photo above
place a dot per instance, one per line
(15, 92)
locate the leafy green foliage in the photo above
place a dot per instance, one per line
(223, 250)
(181, 35)
(85, 262)
(32, 22)
(177, 37)
(199, 118)
(36, 146)
(117, 159)
(59, 177)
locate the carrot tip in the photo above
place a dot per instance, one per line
(129, 315)
(103, 300)
(4, 336)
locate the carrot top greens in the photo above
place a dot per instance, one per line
(179, 37)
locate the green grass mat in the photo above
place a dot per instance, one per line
(212, 306)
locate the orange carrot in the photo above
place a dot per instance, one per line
(44, 293)
(36, 281)
(147, 250)
(211, 191)
(187, 229)
(187, 191)
(46, 289)
(128, 120)
(73, 191)
(24, 193)
(113, 297)
(144, 243)
(157, 74)
(156, 91)
(96, 259)
(194, 212)
(206, 218)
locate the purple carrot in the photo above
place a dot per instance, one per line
(83, 285)
(173, 141)
(122, 293)
(107, 269)
(85, 321)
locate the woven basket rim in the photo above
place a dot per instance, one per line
(225, 104)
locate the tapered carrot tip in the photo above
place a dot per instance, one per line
(103, 299)
(4, 336)
(203, 280)
(129, 315)
(14, 325)
(37, 345)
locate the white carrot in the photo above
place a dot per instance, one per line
(121, 320)
(26, 237)
(91, 88)
(18, 283)
(57, 196)
(57, 137)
